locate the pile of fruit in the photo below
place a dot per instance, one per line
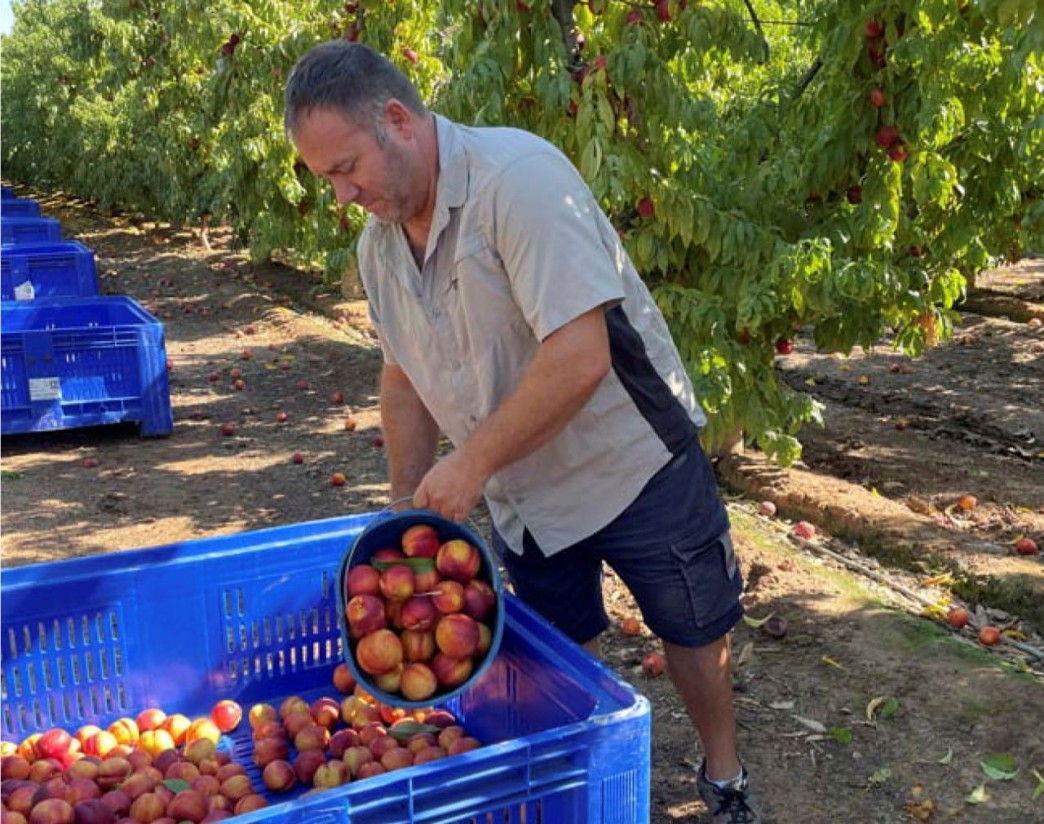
(421, 616)
(165, 769)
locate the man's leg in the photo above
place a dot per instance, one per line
(703, 679)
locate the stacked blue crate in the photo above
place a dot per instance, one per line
(68, 357)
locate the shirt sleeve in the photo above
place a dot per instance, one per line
(561, 254)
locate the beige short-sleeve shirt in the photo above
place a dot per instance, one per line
(518, 248)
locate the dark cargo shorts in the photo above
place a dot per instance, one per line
(672, 549)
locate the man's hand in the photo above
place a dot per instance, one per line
(452, 487)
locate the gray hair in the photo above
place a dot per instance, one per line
(350, 77)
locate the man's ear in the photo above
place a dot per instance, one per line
(399, 118)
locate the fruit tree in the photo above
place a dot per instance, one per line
(843, 168)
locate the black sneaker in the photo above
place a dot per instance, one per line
(735, 805)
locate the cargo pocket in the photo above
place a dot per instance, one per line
(711, 574)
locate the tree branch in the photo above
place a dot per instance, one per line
(757, 26)
(810, 75)
(563, 13)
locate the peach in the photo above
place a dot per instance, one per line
(118, 801)
(363, 579)
(249, 803)
(54, 743)
(267, 750)
(54, 787)
(457, 635)
(390, 715)
(177, 725)
(458, 560)
(433, 753)
(206, 784)
(297, 721)
(365, 715)
(393, 613)
(20, 799)
(27, 747)
(126, 730)
(85, 732)
(397, 758)
(312, 737)
(203, 728)
(343, 680)
(150, 719)
(389, 681)
(52, 811)
(236, 786)
(279, 776)
(307, 763)
(190, 805)
(220, 804)
(397, 583)
(226, 715)
(155, 741)
(259, 713)
(371, 769)
(92, 811)
(355, 757)
(479, 599)
(8, 748)
(341, 741)
(199, 750)
(269, 729)
(439, 718)
(349, 704)
(465, 743)
(418, 682)
(182, 770)
(419, 613)
(80, 789)
(101, 744)
(450, 734)
(14, 766)
(425, 580)
(137, 784)
(325, 711)
(112, 771)
(380, 652)
(86, 767)
(371, 732)
(44, 769)
(226, 771)
(449, 597)
(292, 703)
(161, 761)
(365, 614)
(147, 807)
(420, 541)
(418, 741)
(388, 553)
(417, 646)
(331, 774)
(381, 744)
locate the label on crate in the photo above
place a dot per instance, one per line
(25, 291)
(45, 389)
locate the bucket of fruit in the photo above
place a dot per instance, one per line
(420, 606)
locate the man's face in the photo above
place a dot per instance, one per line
(360, 169)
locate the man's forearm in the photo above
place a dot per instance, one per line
(411, 435)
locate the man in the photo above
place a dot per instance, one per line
(512, 320)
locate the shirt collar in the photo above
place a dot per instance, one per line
(452, 186)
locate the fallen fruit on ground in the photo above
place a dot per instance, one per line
(967, 502)
(989, 636)
(768, 509)
(653, 664)
(805, 530)
(775, 627)
(1026, 546)
(631, 626)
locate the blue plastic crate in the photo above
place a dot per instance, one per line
(19, 207)
(252, 617)
(6, 191)
(47, 270)
(74, 362)
(30, 230)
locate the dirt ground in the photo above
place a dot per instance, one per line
(818, 727)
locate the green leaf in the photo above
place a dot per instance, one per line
(416, 564)
(10, 475)
(890, 708)
(978, 795)
(1039, 791)
(1000, 767)
(948, 758)
(176, 785)
(404, 730)
(842, 735)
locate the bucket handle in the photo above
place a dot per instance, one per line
(389, 507)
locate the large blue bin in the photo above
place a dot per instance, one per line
(30, 230)
(69, 363)
(47, 270)
(19, 207)
(253, 617)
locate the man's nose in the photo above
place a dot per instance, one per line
(346, 193)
